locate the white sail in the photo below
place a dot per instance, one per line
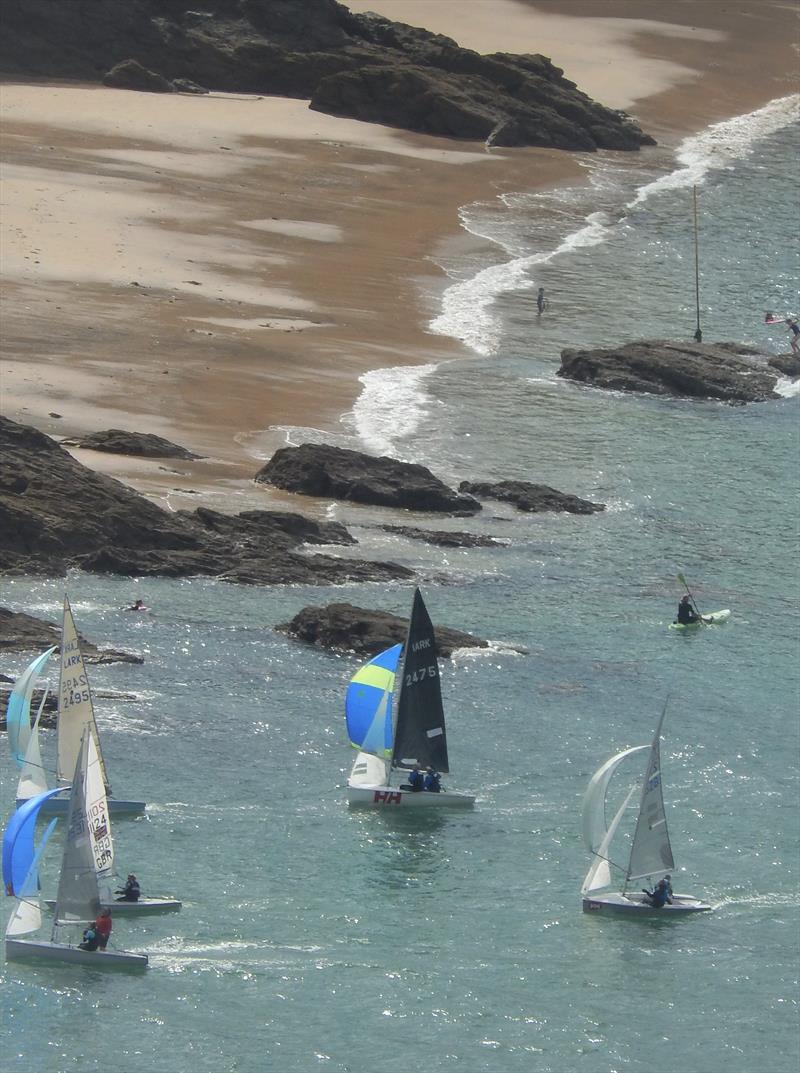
(369, 770)
(98, 821)
(75, 708)
(78, 897)
(26, 918)
(32, 779)
(651, 852)
(594, 800)
(599, 875)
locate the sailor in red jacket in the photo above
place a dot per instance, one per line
(103, 926)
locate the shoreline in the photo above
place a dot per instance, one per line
(307, 240)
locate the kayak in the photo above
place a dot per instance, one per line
(710, 618)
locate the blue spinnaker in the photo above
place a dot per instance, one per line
(18, 716)
(367, 689)
(19, 851)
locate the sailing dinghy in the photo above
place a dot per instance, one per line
(75, 715)
(84, 866)
(650, 856)
(392, 738)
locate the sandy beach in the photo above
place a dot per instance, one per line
(210, 268)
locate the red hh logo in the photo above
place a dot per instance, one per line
(387, 797)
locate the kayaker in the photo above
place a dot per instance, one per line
(686, 613)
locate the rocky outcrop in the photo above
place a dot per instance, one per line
(530, 497)
(786, 364)
(346, 628)
(336, 473)
(56, 513)
(140, 444)
(131, 75)
(362, 66)
(24, 633)
(724, 371)
(443, 539)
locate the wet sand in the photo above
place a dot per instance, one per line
(209, 268)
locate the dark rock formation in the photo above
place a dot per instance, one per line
(56, 513)
(346, 628)
(530, 497)
(24, 633)
(788, 364)
(131, 75)
(723, 371)
(363, 66)
(142, 444)
(443, 539)
(333, 472)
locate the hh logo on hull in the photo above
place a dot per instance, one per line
(387, 797)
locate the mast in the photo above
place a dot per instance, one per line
(651, 852)
(698, 335)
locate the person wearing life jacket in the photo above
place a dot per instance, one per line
(90, 941)
(102, 927)
(686, 613)
(432, 781)
(661, 894)
(131, 892)
(415, 780)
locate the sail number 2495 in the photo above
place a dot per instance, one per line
(431, 671)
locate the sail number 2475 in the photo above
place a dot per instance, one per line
(431, 671)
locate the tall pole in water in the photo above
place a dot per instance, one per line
(698, 335)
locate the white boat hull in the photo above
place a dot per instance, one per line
(24, 949)
(632, 904)
(394, 797)
(59, 806)
(144, 905)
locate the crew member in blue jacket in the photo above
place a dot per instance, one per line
(661, 894)
(432, 782)
(415, 779)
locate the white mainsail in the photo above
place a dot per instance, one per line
(75, 708)
(651, 852)
(78, 897)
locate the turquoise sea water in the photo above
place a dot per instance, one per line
(313, 938)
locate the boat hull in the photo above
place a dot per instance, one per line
(144, 905)
(712, 618)
(25, 949)
(635, 905)
(59, 806)
(394, 797)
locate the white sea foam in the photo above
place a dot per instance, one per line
(392, 404)
(722, 144)
(468, 312)
(788, 388)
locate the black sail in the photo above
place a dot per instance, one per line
(419, 733)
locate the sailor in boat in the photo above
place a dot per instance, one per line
(661, 894)
(102, 927)
(90, 940)
(416, 780)
(131, 892)
(432, 781)
(686, 613)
